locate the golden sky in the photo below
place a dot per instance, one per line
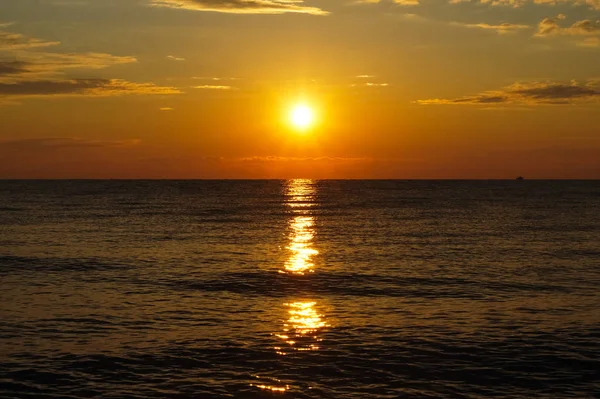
(206, 88)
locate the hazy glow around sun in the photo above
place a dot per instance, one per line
(301, 116)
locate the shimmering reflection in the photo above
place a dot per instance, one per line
(302, 328)
(271, 384)
(271, 387)
(300, 197)
(303, 325)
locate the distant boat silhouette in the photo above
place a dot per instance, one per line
(520, 178)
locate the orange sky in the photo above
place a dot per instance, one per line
(204, 88)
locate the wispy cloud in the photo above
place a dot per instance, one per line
(370, 84)
(212, 87)
(369, 81)
(167, 109)
(594, 4)
(589, 42)
(15, 41)
(552, 27)
(12, 68)
(58, 143)
(86, 87)
(78, 60)
(586, 28)
(529, 93)
(35, 64)
(45, 74)
(42, 65)
(275, 158)
(502, 28)
(172, 57)
(242, 6)
(212, 78)
(400, 2)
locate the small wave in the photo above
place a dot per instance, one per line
(363, 285)
(24, 264)
(12, 209)
(406, 364)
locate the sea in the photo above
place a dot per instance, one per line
(299, 289)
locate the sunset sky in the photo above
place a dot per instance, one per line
(205, 88)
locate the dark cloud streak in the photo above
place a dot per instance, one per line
(49, 87)
(85, 87)
(12, 67)
(558, 92)
(58, 143)
(532, 93)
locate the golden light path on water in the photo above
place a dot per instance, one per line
(302, 328)
(300, 196)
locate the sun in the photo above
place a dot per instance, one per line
(301, 116)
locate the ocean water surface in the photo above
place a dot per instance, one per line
(300, 289)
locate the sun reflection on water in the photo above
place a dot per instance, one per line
(271, 387)
(300, 197)
(303, 324)
(301, 330)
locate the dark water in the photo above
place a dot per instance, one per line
(299, 289)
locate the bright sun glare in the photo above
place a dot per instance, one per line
(301, 116)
